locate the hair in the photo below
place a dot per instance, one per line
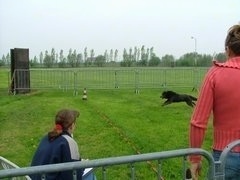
(63, 120)
(233, 39)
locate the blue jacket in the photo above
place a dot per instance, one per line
(63, 149)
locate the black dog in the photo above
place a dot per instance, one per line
(175, 97)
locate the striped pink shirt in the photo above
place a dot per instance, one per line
(220, 94)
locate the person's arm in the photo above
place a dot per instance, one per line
(70, 153)
(199, 122)
(201, 114)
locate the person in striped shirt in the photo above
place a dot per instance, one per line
(220, 96)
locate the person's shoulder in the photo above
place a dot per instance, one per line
(44, 139)
(72, 146)
(67, 137)
(71, 142)
(60, 140)
(230, 63)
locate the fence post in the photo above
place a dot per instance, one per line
(75, 83)
(195, 79)
(116, 80)
(223, 159)
(136, 81)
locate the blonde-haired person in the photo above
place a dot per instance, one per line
(220, 95)
(58, 146)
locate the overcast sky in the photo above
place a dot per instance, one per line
(166, 25)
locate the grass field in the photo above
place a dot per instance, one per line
(139, 117)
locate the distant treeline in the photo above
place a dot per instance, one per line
(142, 57)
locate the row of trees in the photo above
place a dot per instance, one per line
(132, 57)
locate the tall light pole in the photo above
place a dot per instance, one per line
(195, 50)
(195, 63)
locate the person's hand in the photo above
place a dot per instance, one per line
(196, 170)
(85, 159)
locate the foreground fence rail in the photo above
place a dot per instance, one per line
(215, 170)
(109, 162)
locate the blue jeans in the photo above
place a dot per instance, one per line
(232, 166)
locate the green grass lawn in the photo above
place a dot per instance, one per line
(111, 123)
(105, 117)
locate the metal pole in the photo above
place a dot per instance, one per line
(195, 50)
(195, 62)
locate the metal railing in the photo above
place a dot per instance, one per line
(212, 172)
(220, 171)
(101, 78)
(109, 162)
